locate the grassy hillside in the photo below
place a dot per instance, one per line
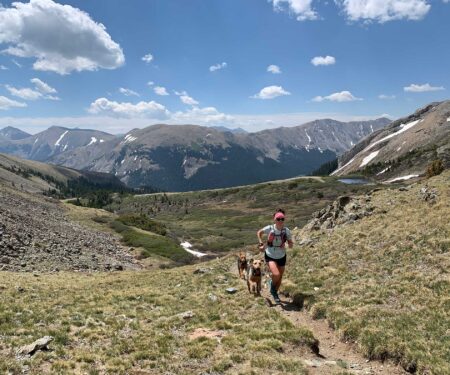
(384, 281)
(217, 221)
(172, 321)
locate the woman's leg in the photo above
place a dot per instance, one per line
(281, 272)
(276, 274)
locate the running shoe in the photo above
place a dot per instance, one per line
(274, 293)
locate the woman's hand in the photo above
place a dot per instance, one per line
(261, 247)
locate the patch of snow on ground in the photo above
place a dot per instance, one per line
(448, 119)
(102, 140)
(403, 178)
(60, 138)
(93, 140)
(403, 128)
(187, 246)
(65, 147)
(123, 161)
(371, 128)
(135, 158)
(337, 170)
(384, 170)
(37, 139)
(369, 158)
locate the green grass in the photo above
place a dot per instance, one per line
(384, 281)
(152, 244)
(223, 220)
(122, 323)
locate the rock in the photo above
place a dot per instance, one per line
(313, 362)
(187, 315)
(231, 290)
(201, 270)
(428, 195)
(40, 344)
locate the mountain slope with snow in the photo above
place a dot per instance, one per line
(404, 148)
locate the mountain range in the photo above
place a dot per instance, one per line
(191, 157)
(404, 148)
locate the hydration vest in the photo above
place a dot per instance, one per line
(272, 236)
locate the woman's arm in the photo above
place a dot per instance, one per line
(290, 244)
(260, 241)
(259, 235)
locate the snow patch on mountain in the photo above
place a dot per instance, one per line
(408, 177)
(369, 158)
(93, 140)
(60, 138)
(403, 128)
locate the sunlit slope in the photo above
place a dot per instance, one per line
(383, 281)
(146, 322)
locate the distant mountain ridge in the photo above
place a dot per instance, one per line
(54, 140)
(191, 157)
(403, 149)
(12, 134)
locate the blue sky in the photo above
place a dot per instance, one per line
(207, 61)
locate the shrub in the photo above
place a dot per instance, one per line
(435, 168)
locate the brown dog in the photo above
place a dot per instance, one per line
(242, 264)
(254, 274)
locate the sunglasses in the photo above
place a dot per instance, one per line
(280, 219)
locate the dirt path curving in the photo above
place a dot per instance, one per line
(335, 356)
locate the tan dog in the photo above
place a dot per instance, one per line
(254, 274)
(242, 265)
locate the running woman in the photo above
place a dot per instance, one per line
(275, 250)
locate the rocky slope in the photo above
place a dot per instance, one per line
(36, 235)
(190, 157)
(403, 149)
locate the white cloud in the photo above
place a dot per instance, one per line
(201, 116)
(150, 109)
(150, 83)
(386, 97)
(43, 87)
(275, 69)
(343, 96)
(61, 38)
(41, 91)
(128, 92)
(301, 8)
(325, 60)
(271, 92)
(186, 99)
(2, 67)
(422, 88)
(6, 103)
(213, 68)
(159, 90)
(384, 10)
(16, 63)
(25, 93)
(148, 58)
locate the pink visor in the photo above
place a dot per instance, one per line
(279, 215)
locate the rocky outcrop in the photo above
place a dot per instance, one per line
(36, 235)
(342, 211)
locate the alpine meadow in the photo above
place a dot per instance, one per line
(224, 187)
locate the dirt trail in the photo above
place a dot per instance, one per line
(335, 357)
